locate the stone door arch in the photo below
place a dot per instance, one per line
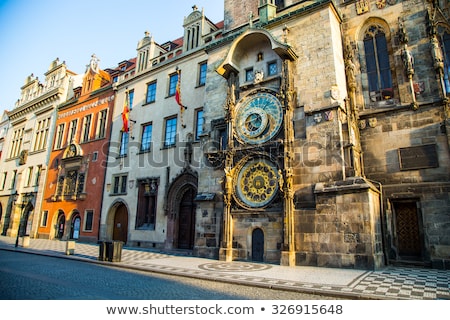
(181, 210)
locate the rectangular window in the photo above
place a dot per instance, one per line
(16, 143)
(85, 134)
(44, 218)
(173, 84)
(199, 122)
(13, 180)
(171, 132)
(272, 68)
(3, 182)
(29, 176)
(37, 177)
(146, 139)
(88, 220)
(101, 124)
(94, 156)
(124, 144)
(59, 136)
(130, 98)
(120, 184)
(72, 130)
(249, 75)
(41, 134)
(151, 92)
(202, 74)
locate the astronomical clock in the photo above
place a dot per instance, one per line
(258, 120)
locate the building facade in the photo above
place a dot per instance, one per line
(75, 175)
(336, 122)
(152, 172)
(27, 148)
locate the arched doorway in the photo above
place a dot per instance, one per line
(120, 227)
(60, 225)
(257, 245)
(75, 226)
(186, 221)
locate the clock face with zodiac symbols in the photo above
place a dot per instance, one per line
(258, 118)
(256, 183)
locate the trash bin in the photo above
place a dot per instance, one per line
(103, 252)
(115, 251)
(70, 247)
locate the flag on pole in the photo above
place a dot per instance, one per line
(125, 114)
(178, 93)
(178, 97)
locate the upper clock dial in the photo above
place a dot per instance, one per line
(258, 118)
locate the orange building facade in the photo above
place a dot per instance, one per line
(76, 168)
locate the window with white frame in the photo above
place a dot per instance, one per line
(101, 124)
(59, 136)
(72, 130)
(16, 143)
(41, 134)
(86, 128)
(171, 132)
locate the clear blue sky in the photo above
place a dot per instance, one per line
(35, 32)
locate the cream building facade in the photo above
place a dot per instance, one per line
(152, 171)
(26, 149)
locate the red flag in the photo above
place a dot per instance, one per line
(125, 114)
(178, 92)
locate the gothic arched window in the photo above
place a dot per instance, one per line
(377, 64)
(444, 39)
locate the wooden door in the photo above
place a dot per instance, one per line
(409, 239)
(186, 229)
(258, 245)
(120, 230)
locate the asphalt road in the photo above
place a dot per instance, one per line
(33, 277)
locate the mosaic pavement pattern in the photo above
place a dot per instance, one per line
(389, 283)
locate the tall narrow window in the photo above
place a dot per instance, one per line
(199, 122)
(29, 176)
(151, 92)
(146, 210)
(202, 74)
(146, 139)
(101, 124)
(2, 185)
(41, 134)
(37, 176)
(377, 63)
(171, 132)
(16, 143)
(173, 84)
(44, 218)
(124, 144)
(73, 130)
(59, 136)
(85, 134)
(13, 180)
(131, 98)
(88, 220)
(445, 45)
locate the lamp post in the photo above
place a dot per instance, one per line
(26, 198)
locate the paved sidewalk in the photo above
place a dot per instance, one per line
(392, 283)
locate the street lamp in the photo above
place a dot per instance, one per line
(26, 198)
